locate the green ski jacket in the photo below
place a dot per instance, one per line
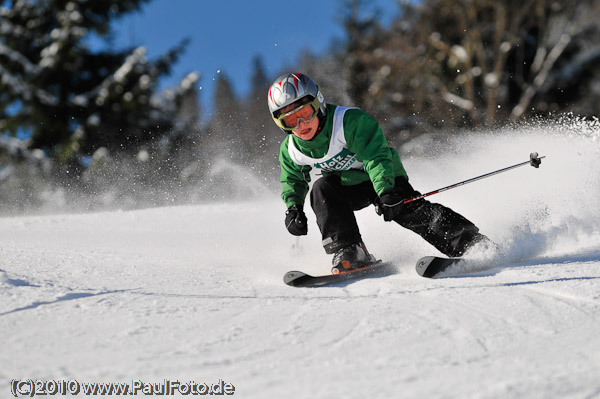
(350, 144)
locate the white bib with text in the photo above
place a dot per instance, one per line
(338, 156)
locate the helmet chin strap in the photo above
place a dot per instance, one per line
(322, 119)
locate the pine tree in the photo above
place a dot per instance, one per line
(72, 100)
(261, 135)
(363, 36)
(226, 123)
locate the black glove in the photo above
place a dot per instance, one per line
(295, 221)
(535, 161)
(391, 203)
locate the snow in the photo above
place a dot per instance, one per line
(196, 292)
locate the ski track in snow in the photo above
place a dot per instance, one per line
(196, 292)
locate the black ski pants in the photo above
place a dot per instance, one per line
(334, 205)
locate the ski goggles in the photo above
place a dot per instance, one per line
(304, 113)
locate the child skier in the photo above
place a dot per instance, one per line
(358, 168)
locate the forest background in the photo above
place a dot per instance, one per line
(84, 129)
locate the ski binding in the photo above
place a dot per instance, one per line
(301, 279)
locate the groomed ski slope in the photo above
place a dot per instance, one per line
(195, 293)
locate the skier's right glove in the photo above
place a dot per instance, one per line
(295, 221)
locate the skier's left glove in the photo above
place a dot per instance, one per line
(295, 221)
(391, 203)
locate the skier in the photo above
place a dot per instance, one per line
(358, 169)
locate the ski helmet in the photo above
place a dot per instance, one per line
(290, 88)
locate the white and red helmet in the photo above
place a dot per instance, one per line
(290, 88)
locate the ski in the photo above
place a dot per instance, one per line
(301, 279)
(430, 266)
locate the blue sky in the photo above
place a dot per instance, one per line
(227, 34)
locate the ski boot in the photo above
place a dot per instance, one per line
(481, 244)
(351, 258)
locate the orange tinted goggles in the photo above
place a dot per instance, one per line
(291, 120)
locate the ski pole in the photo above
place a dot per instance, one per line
(534, 160)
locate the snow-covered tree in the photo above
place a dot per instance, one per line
(72, 100)
(467, 63)
(491, 61)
